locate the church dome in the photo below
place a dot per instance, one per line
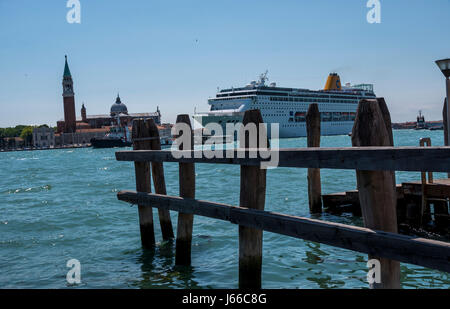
(118, 107)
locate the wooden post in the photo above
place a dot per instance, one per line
(313, 133)
(141, 130)
(187, 190)
(444, 118)
(387, 119)
(377, 191)
(424, 204)
(160, 183)
(252, 195)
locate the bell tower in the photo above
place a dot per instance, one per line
(69, 101)
(83, 113)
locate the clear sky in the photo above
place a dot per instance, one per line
(174, 54)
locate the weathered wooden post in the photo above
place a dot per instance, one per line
(424, 204)
(387, 120)
(377, 192)
(141, 141)
(160, 183)
(252, 195)
(313, 137)
(187, 190)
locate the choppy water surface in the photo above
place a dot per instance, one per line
(61, 204)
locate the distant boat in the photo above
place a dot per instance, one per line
(109, 143)
(117, 136)
(166, 142)
(420, 124)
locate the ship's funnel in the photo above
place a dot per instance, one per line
(333, 82)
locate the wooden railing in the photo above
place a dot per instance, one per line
(252, 219)
(410, 159)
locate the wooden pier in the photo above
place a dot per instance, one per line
(375, 166)
(420, 205)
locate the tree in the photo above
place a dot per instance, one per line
(11, 132)
(27, 135)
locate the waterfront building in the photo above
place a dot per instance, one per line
(43, 137)
(117, 109)
(81, 137)
(11, 143)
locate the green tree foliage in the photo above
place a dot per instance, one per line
(12, 132)
(17, 130)
(27, 135)
(22, 131)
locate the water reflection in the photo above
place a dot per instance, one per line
(158, 269)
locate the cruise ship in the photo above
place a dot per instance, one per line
(288, 106)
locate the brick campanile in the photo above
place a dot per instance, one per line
(83, 113)
(69, 101)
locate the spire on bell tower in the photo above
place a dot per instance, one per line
(66, 69)
(67, 81)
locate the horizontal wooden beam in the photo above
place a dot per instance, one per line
(433, 159)
(419, 251)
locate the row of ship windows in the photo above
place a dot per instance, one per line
(229, 121)
(292, 99)
(312, 100)
(264, 104)
(302, 125)
(324, 117)
(286, 105)
(301, 117)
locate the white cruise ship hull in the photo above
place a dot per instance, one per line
(286, 130)
(287, 107)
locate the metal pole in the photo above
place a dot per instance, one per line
(448, 109)
(448, 113)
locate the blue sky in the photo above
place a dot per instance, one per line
(174, 54)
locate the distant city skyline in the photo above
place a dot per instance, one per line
(175, 54)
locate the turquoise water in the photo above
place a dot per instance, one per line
(56, 205)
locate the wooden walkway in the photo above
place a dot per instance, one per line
(410, 197)
(440, 188)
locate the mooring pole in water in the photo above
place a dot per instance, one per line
(160, 183)
(313, 136)
(377, 192)
(252, 195)
(141, 132)
(187, 190)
